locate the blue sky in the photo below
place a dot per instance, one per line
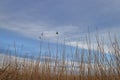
(71, 18)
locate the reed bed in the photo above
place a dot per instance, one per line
(96, 65)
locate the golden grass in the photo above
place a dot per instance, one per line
(98, 67)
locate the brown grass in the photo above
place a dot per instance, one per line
(98, 67)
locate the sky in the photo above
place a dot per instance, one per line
(73, 19)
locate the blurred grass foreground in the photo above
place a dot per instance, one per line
(89, 65)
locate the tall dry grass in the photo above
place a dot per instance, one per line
(96, 65)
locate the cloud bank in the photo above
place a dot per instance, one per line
(71, 18)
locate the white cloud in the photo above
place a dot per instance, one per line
(70, 33)
(84, 45)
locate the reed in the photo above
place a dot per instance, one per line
(96, 65)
